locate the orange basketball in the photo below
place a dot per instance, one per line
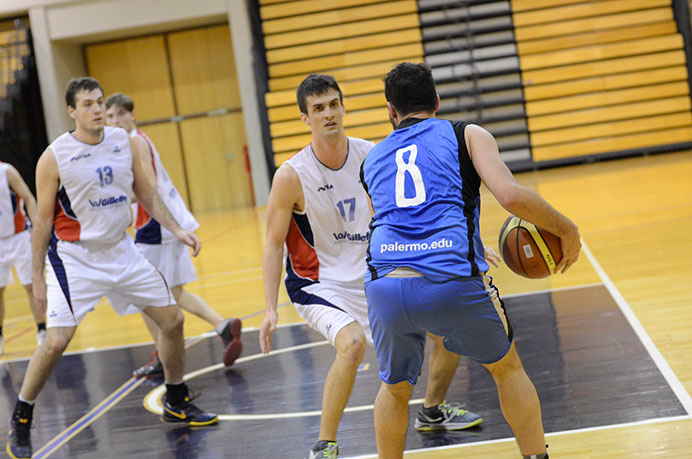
(528, 250)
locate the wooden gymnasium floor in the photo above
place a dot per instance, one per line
(608, 344)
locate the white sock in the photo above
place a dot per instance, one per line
(30, 402)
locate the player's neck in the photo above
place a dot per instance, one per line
(331, 151)
(420, 115)
(89, 136)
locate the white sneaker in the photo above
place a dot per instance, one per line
(40, 336)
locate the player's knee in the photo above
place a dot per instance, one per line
(509, 365)
(352, 348)
(173, 322)
(56, 344)
(400, 391)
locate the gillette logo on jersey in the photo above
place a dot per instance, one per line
(358, 237)
(112, 200)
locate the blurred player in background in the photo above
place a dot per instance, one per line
(15, 242)
(162, 248)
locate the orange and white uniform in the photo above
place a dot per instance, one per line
(327, 242)
(170, 256)
(90, 254)
(15, 240)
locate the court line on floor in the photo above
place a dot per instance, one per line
(18, 335)
(150, 343)
(152, 401)
(552, 290)
(86, 420)
(548, 435)
(109, 402)
(661, 363)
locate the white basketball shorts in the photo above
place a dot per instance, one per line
(15, 251)
(328, 308)
(78, 274)
(172, 259)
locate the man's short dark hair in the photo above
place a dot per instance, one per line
(316, 85)
(410, 88)
(80, 84)
(120, 100)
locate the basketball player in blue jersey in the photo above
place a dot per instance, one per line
(426, 271)
(163, 250)
(15, 242)
(83, 184)
(319, 211)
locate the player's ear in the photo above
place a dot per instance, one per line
(392, 112)
(304, 119)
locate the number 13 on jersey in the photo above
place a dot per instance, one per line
(410, 168)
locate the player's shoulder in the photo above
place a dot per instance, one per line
(361, 144)
(115, 133)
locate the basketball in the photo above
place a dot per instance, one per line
(528, 250)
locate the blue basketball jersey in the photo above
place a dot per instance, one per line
(426, 196)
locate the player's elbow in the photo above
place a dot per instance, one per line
(510, 198)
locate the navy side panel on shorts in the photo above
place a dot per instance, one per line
(59, 269)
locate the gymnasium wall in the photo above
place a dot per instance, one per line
(556, 81)
(187, 100)
(62, 29)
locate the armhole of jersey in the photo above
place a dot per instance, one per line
(302, 190)
(466, 168)
(362, 177)
(57, 164)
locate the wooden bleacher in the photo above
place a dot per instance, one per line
(551, 79)
(356, 41)
(471, 49)
(601, 76)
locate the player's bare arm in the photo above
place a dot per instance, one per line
(19, 187)
(144, 187)
(516, 198)
(47, 181)
(285, 196)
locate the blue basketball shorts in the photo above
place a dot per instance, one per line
(466, 312)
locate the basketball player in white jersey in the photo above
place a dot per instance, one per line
(162, 249)
(319, 210)
(84, 180)
(15, 242)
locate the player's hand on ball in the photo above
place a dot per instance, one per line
(571, 245)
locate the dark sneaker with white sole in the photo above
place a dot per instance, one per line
(19, 438)
(186, 412)
(230, 334)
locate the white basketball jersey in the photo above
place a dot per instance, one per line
(93, 202)
(12, 217)
(148, 230)
(329, 239)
